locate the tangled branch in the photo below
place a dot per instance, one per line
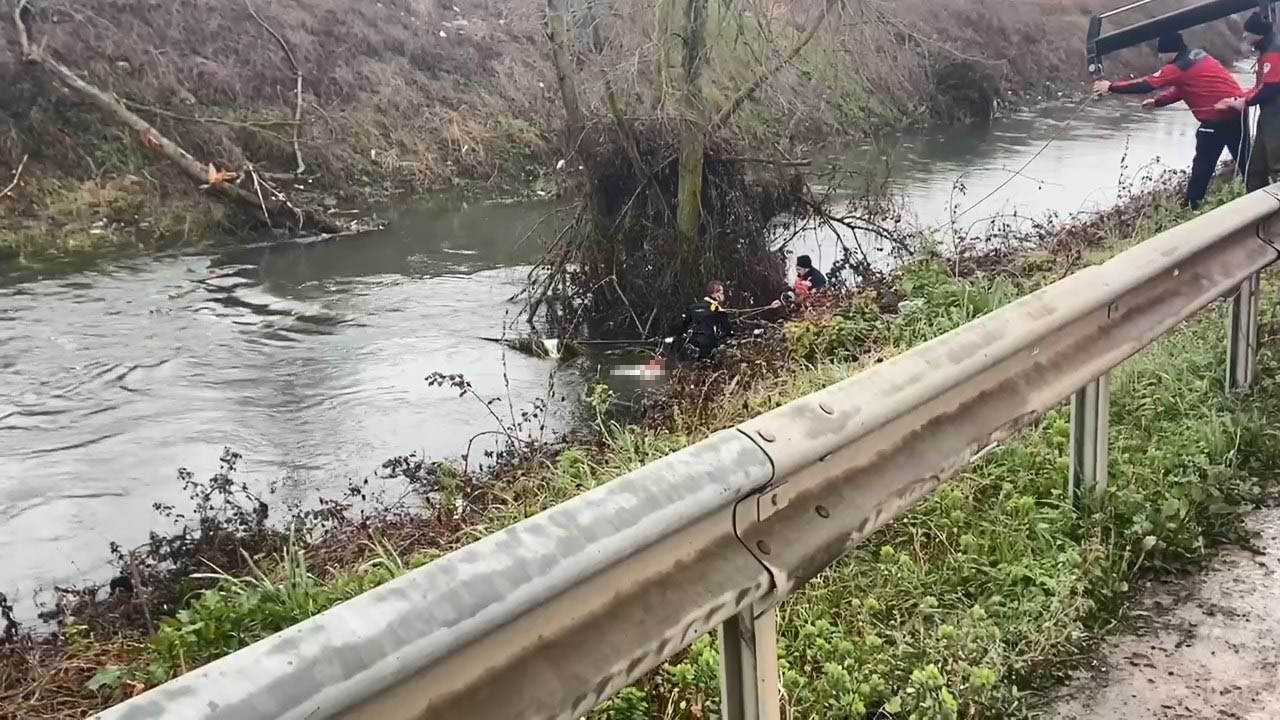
(260, 126)
(765, 75)
(17, 174)
(301, 166)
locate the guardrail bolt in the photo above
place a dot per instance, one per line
(763, 547)
(822, 511)
(767, 436)
(826, 408)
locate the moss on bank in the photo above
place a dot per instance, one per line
(962, 608)
(74, 224)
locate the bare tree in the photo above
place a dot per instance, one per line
(680, 40)
(566, 71)
(768, 73)
(300, 167)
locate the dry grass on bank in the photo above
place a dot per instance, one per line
(414, 94)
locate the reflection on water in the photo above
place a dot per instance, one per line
(1084, 157)
(310, 361)
(1108, 145)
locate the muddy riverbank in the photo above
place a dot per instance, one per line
(343, 105)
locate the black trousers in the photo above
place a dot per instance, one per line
(1211, 139)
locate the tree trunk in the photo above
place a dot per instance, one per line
(670, 48)
(693, 140)
(566, 71)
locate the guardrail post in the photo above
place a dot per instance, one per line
(1090, 411)
(749, 667)
(1242, 336)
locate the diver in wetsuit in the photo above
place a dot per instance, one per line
(703, 327)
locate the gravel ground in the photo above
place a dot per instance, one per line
(1209, 646)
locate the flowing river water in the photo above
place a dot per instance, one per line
(314, 369)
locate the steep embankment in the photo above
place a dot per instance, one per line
(416, 94)
(962, 608)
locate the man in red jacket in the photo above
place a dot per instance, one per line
(1264, 162)
(1193, 76)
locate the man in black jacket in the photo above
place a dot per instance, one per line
(704, 326)
(810, 274)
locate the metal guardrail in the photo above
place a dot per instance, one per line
(553, 615)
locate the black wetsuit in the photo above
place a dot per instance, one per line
(701, 329)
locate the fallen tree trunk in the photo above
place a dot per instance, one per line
(272, 205)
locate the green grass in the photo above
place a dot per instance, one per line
(79, 224)
(994, 584)
(965, 606)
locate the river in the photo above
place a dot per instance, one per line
(115, 378)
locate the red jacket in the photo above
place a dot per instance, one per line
(1266, 87)
(1194, 77)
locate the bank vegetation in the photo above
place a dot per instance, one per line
(965, 607)
(304, 110)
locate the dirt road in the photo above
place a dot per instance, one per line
(1210, 648)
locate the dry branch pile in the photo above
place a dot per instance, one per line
(621, 267)
(667, 203)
